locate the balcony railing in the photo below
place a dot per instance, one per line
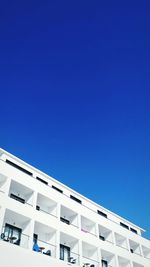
(20, 199)
(147, 257)
(45, 211)
(45, 248)
(120, 246)
(101, 237)
(23, 240)
(74, 258)
(135, 252)
(88, 262)
(67, 221)
(88, 232)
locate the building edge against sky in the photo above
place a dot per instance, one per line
(40, 214)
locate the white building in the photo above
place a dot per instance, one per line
(44, 223)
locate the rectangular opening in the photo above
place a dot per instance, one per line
(102, 213)
(18, 167)
(133, 230)
(12, 234)
(57, 189)
(124, 225)
(41, 180)
(104, 263)
(101, 237)
(35, 238)
(17, 198)
(76, 199)
(64, 253)
(64, 220)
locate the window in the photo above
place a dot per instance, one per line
(101, 237)
(42, 181)
(35, 238)
(64, 253)
(17, 198)
(104, 263)
(62, 219)
(18, 167)
(133, 230)
(102, 213)
(12, 234)
(76, 199)
(57, 189)
(124, 225)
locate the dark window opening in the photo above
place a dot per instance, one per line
(12, 234)
(62, 219)
(17, 198)
(133, 230)
(57, 189)
(64, 253)
(102, 213)
(35, 238)
(124, 225)
(18, 167)
(101, 237)
(41, 180)
(76, 199)
(104, 263)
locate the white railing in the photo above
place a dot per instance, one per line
(22, 241)
(46, 248)
(74, 258)
(45, 211)
(87, 262)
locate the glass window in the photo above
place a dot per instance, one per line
(12, 234)
(64, 253)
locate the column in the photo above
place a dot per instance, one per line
(57, 254)
(31, 232)
(35, 193)
(99, 257)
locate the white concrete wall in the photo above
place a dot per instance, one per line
(87, 209)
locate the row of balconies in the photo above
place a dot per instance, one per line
(67, 194)
(25, 195)
(19, 230)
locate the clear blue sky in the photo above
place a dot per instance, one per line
(75, 96)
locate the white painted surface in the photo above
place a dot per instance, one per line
(81, 235)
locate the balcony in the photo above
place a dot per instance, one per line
(68, 216)
(123, 262)
(46, 205)
(21, 193)
(134, 247)
(121, 241)
(89, 255)
(69, 249)
(44, 239)
(146, 252)
(88, 226)
(16, 229)
(107, 259)
(105, 234)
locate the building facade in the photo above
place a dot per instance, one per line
(45, 223)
